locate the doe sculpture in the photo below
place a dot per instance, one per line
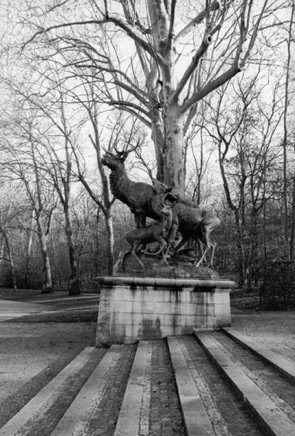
(194, 223)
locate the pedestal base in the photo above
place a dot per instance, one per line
(142, 308)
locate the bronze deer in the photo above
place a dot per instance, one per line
(197, 224)
(137, 196)
(155, 232)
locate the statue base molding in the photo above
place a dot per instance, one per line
(143, 308)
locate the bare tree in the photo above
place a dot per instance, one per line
(8, 215)
(245, 134)
(21, 163)
(172, 63)
(289, 246)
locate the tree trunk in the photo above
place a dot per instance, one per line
(110, 234)
(74, 283)
(292, 223)
(174, 171)
(157, 138)
(2, 245)
(241, 251)
(29, 250)
(47, 287)
(11, 261)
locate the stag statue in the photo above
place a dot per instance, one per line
(142, 199)
(137, 195)
(197, 224)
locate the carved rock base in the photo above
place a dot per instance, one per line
(180, 266)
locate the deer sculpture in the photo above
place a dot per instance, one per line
(137, 196)
(142, 199)
(155, 232)
(197, 224)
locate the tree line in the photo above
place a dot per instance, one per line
(204, 90)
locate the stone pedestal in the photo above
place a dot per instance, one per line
(142, 308)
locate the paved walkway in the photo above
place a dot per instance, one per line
(276, 330)
(15, 309)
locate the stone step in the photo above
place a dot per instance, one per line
(86, 395)
(42, 413)
(209, 405)
(78, 416)
(196, 419)
(131, 421)
(286, 367)
(271, 417)
(150, 404)
(156, 387)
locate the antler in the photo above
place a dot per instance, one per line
(125, 151)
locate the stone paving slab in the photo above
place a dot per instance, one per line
(150, 406)
(283, 365)
(129, 419)
(271, 417)
(275, 330)
(228, 413)
(38, 406)
(196, 420)
(76, 418)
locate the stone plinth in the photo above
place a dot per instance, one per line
(142, 308)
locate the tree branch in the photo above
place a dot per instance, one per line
(200, 52)
(211, 86)
(197, 20)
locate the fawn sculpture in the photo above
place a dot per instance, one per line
(155, 232)
(197, 224)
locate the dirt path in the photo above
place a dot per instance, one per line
(32, 354)
(276, 330)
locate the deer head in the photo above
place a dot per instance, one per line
(116, 160)
(168, 202)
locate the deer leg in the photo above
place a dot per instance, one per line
(179, 245)
(202, 249)
(202, 257)
(133, 252)
(123, 259)
(204, 240)
(170, 239)
(162, 249)
(162, 244)
(140, 222)
(213, 246)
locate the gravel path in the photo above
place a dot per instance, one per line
(276, 330)
(32, 354)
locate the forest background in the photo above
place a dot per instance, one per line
(80, 78)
